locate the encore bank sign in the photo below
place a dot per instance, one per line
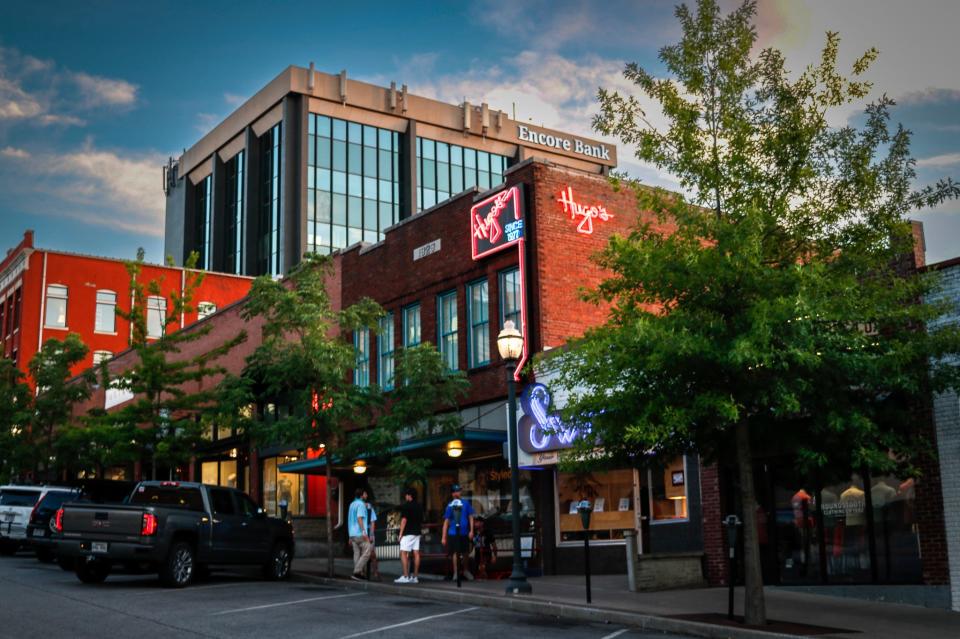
(561, 143)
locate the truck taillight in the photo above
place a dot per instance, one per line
(149, 525)
(58, 520)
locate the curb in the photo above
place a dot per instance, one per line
(550, 609)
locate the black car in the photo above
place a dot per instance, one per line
(41, 528)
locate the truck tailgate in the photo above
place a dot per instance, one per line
(102, 521)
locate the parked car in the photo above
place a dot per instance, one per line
(16, 504)
(40, 527)
(179, 529)
(41, 531)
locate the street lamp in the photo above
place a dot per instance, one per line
(510, 345)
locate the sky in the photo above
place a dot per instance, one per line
(95, 96)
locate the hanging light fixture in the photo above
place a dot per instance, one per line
(510, 342)
(454, 448)
(359, 467)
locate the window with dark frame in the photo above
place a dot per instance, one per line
(478, 321)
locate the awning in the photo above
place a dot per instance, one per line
(316, 465)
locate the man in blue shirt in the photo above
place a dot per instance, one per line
(358, 530)
(457, 532)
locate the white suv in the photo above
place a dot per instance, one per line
(16, 504)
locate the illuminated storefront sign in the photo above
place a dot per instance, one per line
(539, 431)
(555, 141)
(587, 214)
(496, 222)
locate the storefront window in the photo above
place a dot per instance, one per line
(895, 527)
(845, 528)
(611, 495)
(219, 473)
(668, 491)
(279, 486)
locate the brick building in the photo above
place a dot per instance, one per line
(48, 294)
(946, 414)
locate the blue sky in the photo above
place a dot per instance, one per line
(95, 96)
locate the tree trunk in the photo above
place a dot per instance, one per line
(754, 606)
(329, 507)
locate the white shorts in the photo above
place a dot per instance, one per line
(409, 543)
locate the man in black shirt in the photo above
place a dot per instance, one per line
(411, 522)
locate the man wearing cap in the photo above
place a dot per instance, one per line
(457, 533)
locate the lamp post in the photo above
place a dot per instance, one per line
(510, 345)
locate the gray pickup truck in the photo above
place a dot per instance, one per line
(179, 529)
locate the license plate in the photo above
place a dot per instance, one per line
(98, 546)
(9, 516)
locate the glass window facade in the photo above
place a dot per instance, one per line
(411, 325)
(106, 316)
(668, 491)
(234, 239)
(204, 227)
(361, 345)
(56, 316)
(510, 297)
(385, 348)
(156, 316)
(612, 497)
(270, 244)
(447, 338)
(478, 318)
(447, 169)
(353, 183)
(282, 487)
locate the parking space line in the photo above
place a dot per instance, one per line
(407, 623)
(288, 603)
(158, 591)
(615, 634)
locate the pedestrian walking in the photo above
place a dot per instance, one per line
(357, 529)
(372, 519)
(457, 532)
(411, 523)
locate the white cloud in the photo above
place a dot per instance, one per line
(946, 159)
(95, 186)
(12, 152)
(233, 99)
(15, 103)
(99, 91)
(916, 40)
(36, 91)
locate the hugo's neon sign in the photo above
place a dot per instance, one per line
(540, 431)
(496, 222)
(587, 214)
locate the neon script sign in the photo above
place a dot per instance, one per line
(587, 214)
(496, 222)
(540, 431)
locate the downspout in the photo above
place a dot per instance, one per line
(43, 302)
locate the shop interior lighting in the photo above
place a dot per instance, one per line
(455, 448)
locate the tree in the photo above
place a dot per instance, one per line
(746, 326)
(306, 364)
(57, 394)
(162, 420)
(14, 420)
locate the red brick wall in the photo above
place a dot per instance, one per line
(714, 544)
(929, 512)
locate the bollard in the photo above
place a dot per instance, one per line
(630, 536)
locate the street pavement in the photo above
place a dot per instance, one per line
(41, 600)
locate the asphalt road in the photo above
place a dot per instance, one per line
(41, 600)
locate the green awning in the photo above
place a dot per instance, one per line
(314, 466)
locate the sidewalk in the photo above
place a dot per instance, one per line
(679, 611)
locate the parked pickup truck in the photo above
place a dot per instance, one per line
(179, 529)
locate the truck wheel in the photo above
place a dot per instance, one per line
(177, 570)
(45, 555)
(92, 572)
(278, 567)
